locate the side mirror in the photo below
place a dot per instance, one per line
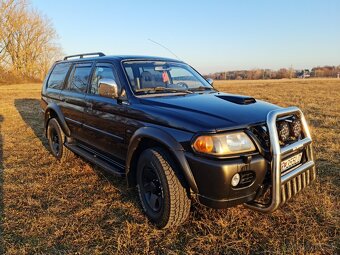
(108, 88)
(211, 81)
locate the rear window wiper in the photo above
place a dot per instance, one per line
(163, 89)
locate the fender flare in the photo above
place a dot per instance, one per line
(169, 142)
(61, 119)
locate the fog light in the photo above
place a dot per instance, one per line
(283, 131)
(296, 128)
(235, 180)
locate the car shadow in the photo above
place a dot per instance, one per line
(30, 111)
(119, 182)
(2, 248)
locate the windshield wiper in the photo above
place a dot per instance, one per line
(163, 89)
(201, 88)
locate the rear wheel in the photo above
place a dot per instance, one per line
(56, 139)
(162, 190)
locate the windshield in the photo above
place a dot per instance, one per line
(150, 77)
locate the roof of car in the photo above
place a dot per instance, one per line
(122, 58)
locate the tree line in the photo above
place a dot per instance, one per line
(28, 42)
(256, 74)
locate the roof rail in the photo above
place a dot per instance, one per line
(100, 54)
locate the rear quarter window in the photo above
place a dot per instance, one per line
(58, 75)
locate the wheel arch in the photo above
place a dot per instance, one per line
(54, 111)
(148, 137)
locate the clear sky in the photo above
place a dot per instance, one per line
(210, 35)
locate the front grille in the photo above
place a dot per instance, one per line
(295, 185)
(261, 133)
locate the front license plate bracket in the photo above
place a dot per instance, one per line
(291, 162)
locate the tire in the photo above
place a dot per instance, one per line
(162, 190)
(56, 139)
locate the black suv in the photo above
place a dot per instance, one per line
(158, 122)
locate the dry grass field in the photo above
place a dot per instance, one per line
(75, 208)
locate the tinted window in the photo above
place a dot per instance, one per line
(57, 77)
(79, 78)
(101, 72)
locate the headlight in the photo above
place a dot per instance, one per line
(225, 144)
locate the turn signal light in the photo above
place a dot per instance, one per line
(204, 144)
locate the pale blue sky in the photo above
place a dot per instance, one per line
(210, 35)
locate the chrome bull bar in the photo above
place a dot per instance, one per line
(286, 185)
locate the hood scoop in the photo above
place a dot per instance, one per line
(238, 99)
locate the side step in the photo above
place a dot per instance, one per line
(98, 159)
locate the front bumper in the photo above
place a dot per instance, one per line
(213, 179)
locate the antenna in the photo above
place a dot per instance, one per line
(164, 48)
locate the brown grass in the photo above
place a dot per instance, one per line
(48, 207)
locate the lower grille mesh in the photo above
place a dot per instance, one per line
(247, 178)
(296, 184)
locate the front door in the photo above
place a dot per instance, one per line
(104, 117)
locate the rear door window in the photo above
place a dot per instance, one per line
(79, 78)
(58, 75)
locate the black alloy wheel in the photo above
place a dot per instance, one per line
(151, 188)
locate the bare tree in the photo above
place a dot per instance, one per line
(27, 40)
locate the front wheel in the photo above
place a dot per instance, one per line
(162, 189)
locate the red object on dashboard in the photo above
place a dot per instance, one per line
(165, 76)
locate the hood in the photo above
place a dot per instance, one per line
(211, 112)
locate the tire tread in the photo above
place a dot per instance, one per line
(179, 201)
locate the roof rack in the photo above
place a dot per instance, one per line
(100, 54)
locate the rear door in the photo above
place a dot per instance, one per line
(103, 117)
(73, 98)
